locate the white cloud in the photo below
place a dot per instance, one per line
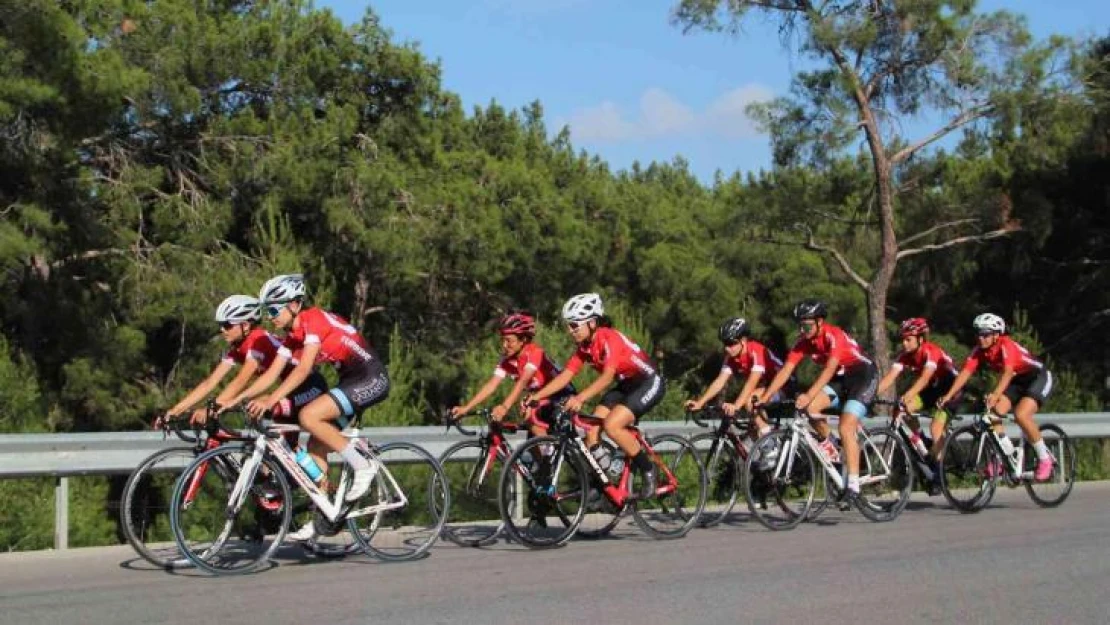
(661, 115)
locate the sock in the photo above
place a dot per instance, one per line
(853, 482)
(1041, 449)
(763, 430)
(353, 458)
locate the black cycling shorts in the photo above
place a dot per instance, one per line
(1035, 384)
(855, 389)
(639, 395)
(936, 389)
(360, 386)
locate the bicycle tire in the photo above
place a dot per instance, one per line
(136, 520)
(963, 463)
(431, 512)
(723, 469)
(650, 514)
(1060, 445)
(474, 488)
(541, 502)
(206, 560)
(894, 453)
(760, 483)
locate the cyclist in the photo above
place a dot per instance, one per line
(935, 374)
(320, 336)
(639, 386)
(743, 356)
(1024, 384)
(252, 347)
(848, 378)
(527, 364)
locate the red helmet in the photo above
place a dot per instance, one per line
(521, 324)
(915, 326)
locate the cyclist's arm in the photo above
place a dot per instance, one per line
(1003, 381)
(203, 389)
(600, 384)
(749, 388)
(482, 395)
(518, 388)
(264, 381)
(888, 379)
(957, 385)
(826, 376)
(780, 379)
(298, 375)
(238, 383)
(715, 388)
(922, 381)
(556, 384)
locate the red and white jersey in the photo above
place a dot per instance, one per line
(530, 358)
(1004, 353)
(828, 342)
(755, 358)
(340, 343)
(927, 356)
(610, 348)
(259, 345)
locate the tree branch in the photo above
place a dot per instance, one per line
(838, 218)
(974, 238)
(925, 233)
(812, 244)
(960, 120)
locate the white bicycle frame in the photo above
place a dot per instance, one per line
(1013, 461)
(800, 435)
(388, 489)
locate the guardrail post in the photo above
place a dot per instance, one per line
(61, 513)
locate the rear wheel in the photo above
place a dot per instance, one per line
(1053, 491)
(547, 510)
(406, 506)
(967, 463)
(886, 475)
(680, 489)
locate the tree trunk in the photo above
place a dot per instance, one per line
(888, 260)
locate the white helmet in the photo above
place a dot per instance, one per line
(282, 289)
(582, 307)
(988, 322)
(239, 308)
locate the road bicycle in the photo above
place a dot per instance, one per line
(399, 518)
(974, 463)
(563, 486)
(798, 479)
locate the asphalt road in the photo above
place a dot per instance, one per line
(1012, 563)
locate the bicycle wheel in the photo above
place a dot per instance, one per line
(225, 521)
(407, 504)
(681, 488)
(723, 466)
(144, 508)
(886, 475)
(553, 496)
(601, 516)
(474, 519)
(1053, 491)
(780, 480)
(966, 459)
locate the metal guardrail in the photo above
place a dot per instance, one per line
(114, 453)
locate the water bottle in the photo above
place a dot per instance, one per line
(918, 444)
(602, 456)
(309, 465)
(617, 465)
(1006, 444)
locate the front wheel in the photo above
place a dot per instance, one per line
(1053, 491)
(970, 467)
(723, 466)
(780, 480)
(473, 470)
(543, 500)
(145, 507)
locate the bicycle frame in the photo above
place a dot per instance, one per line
(984, 426)
(494, 446)
(800, 435)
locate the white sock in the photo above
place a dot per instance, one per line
(853, 482)
(764, 429)
(1041, 449)
(353, 458)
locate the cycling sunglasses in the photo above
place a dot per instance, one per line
(273, 310)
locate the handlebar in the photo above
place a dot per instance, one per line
(486, 414)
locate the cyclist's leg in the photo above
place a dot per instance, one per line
(861, 382)
(759, 426)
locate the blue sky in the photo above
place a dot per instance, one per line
(630, 85)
